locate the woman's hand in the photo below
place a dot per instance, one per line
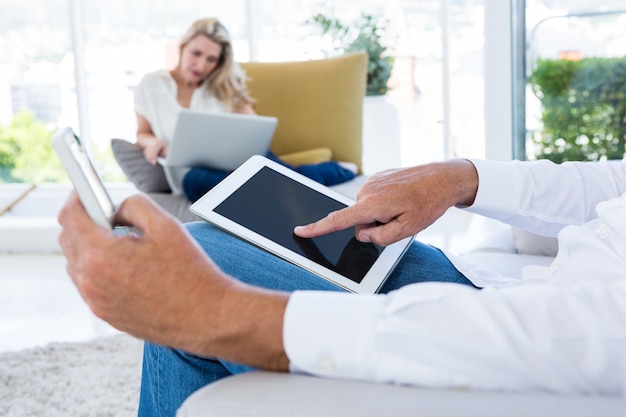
(152, 146)
(153, 149)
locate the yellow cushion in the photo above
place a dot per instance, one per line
(318, 103)
(312, 156)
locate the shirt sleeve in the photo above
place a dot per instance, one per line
(544, 197)
(451, 336)
(565, 334)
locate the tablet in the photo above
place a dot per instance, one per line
(262, 201)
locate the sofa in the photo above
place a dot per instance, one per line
(319, 106)
(267, 394)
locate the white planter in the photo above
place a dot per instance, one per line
(381, 135)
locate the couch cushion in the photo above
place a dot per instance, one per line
(351, 188)
(177, 205)
(319, 103)
(312, 156)
(528, 243)
(146, 177)
(262, 393)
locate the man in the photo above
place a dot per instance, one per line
(560, 329)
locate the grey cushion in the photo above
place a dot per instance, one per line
(145, 176)
(177, 205)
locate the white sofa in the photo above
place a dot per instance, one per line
(265, 394)
(261, 393)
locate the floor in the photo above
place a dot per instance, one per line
(39, 304)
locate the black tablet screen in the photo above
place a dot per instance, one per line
(272, 204)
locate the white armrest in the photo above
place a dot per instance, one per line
(273, 394)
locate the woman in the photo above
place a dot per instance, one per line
(208, 79)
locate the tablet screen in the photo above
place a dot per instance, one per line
(272, 204)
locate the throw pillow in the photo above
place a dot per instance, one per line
(146, 177)
(312, 156)
(319, 103)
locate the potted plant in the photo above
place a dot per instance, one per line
(364, 34)
(583, 109)
(381, 124)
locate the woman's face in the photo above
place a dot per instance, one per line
(198, 59)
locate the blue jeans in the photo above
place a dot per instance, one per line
(169, 376)
(199, 180)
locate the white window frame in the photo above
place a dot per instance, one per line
(80, 73)
(504, 67)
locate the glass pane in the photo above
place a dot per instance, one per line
(576, 71)
(124, 41)
(36, 83)
(423, 126)
(413, 34)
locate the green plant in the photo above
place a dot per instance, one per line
(364, 34)
(26, 154)
(583, 109)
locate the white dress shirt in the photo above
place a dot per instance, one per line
(560, 329)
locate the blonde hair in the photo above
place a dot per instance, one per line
(227, 81)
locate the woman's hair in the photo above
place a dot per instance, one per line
(227, 81)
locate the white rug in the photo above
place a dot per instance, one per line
(97, 378)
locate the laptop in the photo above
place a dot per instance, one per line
(218, 140)
(214, 140)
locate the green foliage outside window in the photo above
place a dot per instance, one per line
(364, 34)
(26, 154)
(583, 109)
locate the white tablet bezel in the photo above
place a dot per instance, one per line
(85, 179)
(205, 206)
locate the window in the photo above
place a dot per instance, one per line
(118, 41)
(437, 81)
(575, 59)
(36, 83)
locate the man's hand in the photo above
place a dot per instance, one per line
(161, 286)
(399, 203)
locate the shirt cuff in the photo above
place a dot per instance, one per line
(330, 334)
(499, 184)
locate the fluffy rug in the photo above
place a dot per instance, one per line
(97, 378)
